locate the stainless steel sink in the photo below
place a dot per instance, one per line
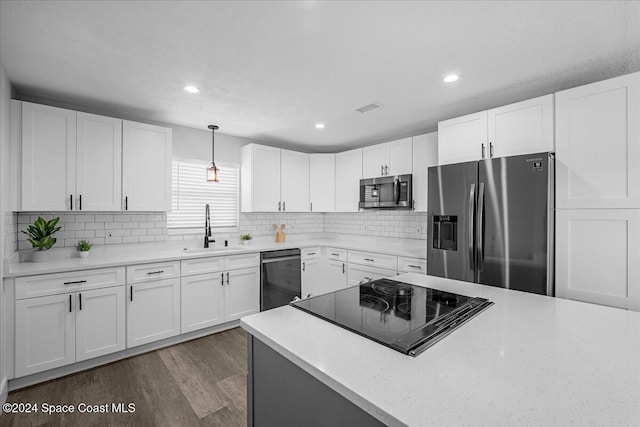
(212, 251)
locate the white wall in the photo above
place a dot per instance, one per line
(5, 119)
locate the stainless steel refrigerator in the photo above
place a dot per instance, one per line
(492, 222)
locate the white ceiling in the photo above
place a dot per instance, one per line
(270, 70)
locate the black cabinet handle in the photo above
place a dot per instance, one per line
(414, 266)
(126, 203)
(284, 206)
(69, 303)
(80, 202)
(334, 254)
(227, 277)
(369, 259)
(71, 202)
(156, 272)
(490, 150)
(483, 151)
(131, 294)
(74, 283)
(343, 268)
(279, 206)
(311, 253)
(80, 300)
(303, 266)
(222, 279)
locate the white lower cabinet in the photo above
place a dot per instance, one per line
(363, 273)
(335, 277)
(58, 330)
(202, 301)
(100, 322)
(153, 311)
(45, 333)
(241, 293)
(312, 280)
(598, 256)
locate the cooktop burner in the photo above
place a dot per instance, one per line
(402, 316)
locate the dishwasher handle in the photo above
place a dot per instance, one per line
(285, 258)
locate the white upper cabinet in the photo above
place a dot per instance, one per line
(273, 180)
(462, 139)
(348, 176)
(146, 167)
(99, 163)
(48, 158)
(294, 181)
(260, 178)
(598, 145)
(425, 154)
(322, 182)
(521, 128)
(387, 159)
(400, 157)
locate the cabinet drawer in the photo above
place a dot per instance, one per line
(234, 262)
(51, 284)
(337, 254)
(189, 267)
(310, 253)
(156, 271)
(373, 259)
(413, 265)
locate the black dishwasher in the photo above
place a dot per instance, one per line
(280, 278)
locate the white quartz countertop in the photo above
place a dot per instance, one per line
(118, 255)
(526, 360)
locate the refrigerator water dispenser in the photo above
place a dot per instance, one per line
(445, 232)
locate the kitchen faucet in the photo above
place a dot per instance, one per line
(207, 227)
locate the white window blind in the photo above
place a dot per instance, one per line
(191, 192)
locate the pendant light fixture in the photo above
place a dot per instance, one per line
(212, 170)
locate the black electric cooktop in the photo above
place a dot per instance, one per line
(402, 316)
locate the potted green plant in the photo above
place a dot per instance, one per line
(83, 247)
(245, 238)
(40, 235)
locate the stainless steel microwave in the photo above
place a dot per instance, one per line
(386, 192)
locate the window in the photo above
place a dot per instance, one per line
(191, 192)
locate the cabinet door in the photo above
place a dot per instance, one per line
(597, 256)
(400, 157)
(45, 333)
(312, 277)
(462, 139)
(522, 128)
(348, 176)
(99, 163)
(153, 311)
(374, 159)
(322, 182)
(598, 145)
(362, 273)
(100, 322)
(202, 301)
(260, 178)
(294, 181)
(48, 158)
(241, 293)
(425, 155)
(335, 277)
(146, 167)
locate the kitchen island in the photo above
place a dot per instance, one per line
(527, 360)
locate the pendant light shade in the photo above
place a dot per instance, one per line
(212, 170)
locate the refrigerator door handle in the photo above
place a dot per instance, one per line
(472, 199)
(479, 227)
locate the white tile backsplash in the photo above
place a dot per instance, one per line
(104, 228)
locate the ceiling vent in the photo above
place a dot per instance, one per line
(369, 107)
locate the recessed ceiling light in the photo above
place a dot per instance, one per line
(191, 89)
(451, 78)
(319, 125)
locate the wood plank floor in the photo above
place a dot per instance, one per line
(196, 383)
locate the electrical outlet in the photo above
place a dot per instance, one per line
(108, 236)
(418, 229)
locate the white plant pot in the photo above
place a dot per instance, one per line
(83, 254)
(245, 242)
(39, 256)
